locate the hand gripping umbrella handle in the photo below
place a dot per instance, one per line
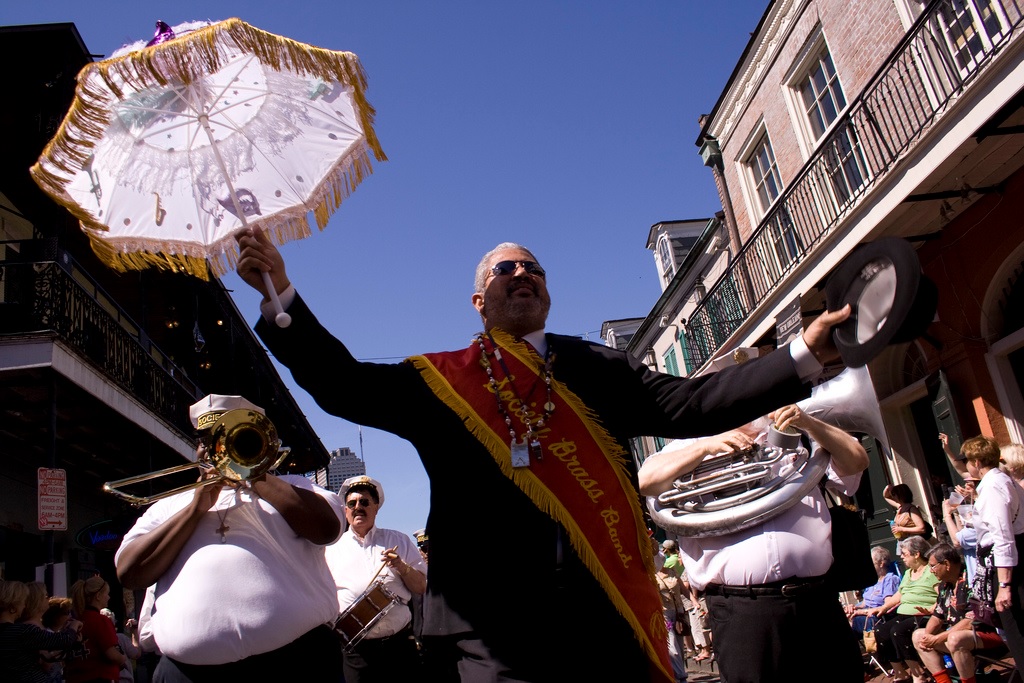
(281, 318)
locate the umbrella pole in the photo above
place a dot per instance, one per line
(280, 317)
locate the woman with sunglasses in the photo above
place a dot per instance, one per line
(1000, 527)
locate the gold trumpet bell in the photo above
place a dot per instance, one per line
(244, 446)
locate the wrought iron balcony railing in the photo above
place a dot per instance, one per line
(949, 45)
(43, 297)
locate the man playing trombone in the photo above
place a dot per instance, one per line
(241, 584)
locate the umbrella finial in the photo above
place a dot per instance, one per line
(162, 35)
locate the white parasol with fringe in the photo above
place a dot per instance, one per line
(171, 146)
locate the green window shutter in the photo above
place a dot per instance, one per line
(671, 364)
(942, 408)
(684, 342)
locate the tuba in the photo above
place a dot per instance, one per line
(730, 492)
(243, 445)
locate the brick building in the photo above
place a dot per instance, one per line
(843, 122)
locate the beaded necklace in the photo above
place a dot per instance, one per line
(530, 443)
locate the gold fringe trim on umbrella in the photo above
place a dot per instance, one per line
(126, 253)
(185, 59)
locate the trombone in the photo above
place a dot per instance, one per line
(244, 446)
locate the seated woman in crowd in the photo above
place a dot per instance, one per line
(950, 629)
(888, 583)
(913, 604)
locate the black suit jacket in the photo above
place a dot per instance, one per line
(498, 566)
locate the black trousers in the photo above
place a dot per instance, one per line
(382, 660)
(313, 656)
(1012, 620)
(775, 638)
(895, 638)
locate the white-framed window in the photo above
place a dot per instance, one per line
(821, 93)
(971, 28)
(814, 91)
(764, 172)
(844, 163)
(668, 266)
(819, 103)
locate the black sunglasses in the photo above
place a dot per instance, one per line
(362, 502)
(509, 267)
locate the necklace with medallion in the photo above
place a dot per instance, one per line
(521, 449)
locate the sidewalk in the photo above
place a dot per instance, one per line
(994, 672)
(702, 672)
(707, 672)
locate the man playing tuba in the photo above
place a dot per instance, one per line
(773, 617)
(241, 584)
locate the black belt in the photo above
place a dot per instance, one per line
(787, 588)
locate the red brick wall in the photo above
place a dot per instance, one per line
(963, 264)
(860, 34)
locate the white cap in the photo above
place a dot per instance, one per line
(205, 412)
(362, 480)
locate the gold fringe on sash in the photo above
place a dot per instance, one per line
(545, 500)
(186, 59)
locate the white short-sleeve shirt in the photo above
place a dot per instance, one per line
(259, 590)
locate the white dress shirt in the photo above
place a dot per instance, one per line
(795, 543)
(997, 517)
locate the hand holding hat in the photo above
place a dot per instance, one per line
(819, 334)
(891, 299)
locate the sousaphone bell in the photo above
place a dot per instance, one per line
(730, 492)
(243, 445)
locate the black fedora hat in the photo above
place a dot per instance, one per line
(892, 301)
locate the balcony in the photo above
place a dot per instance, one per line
(50, 299)
(49, 296)
(938, 60)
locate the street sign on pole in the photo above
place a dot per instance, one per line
(53, 499)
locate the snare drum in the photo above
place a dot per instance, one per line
(362, 615)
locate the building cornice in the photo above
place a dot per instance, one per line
(772, 37)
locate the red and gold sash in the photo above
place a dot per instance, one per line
(581, 481)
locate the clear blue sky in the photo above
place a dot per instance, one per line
(566, 126)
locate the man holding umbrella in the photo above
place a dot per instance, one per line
(535, 427)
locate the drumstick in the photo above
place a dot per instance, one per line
(388, 551)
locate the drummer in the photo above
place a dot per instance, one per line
(387, 651)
